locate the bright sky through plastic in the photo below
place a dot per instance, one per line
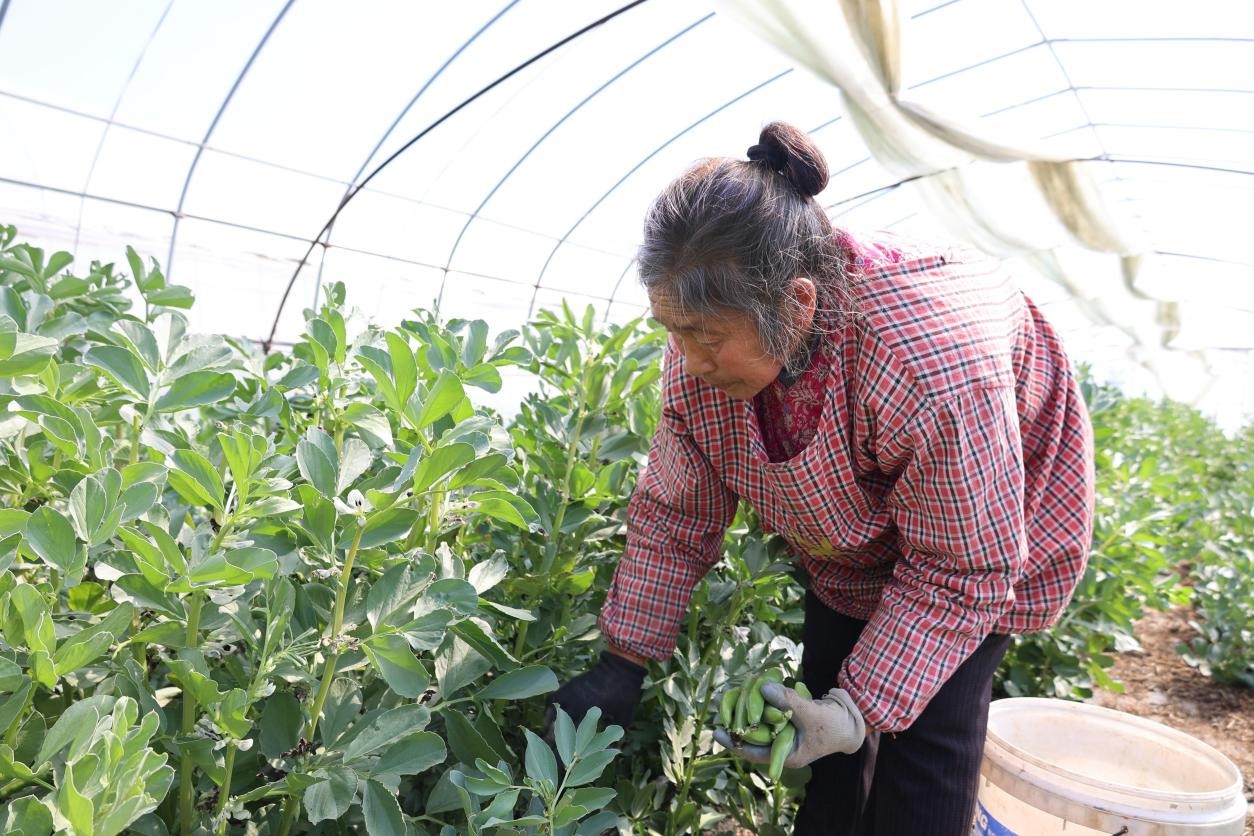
(535, 191)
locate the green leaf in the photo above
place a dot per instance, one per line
(12, 521)
(122, 366)
(15, 704)
(411, 755)
(29, 355)
(440, 463)
(85, 646)
(370, 422)
(474, 633)
(74, 727)
(589, 768)
(172, 296)
(465, 740)
(506, 507)
(331, 798)
(51, 537)
(78, 810)
(393, 594)
(196, 480)
(388, 526)
(27, 816)
(564, 735)
(487, 574)
(382, 812)
(280, 725)
(11, 677)
(385, 729)
(457, 664)
(318, 461)
(342, 707)
(404, 372)
(478, 469)
(445, 394)
(94, 506)
(142, 340)
(530, 681)
(539, 760)
(234, 568)
(355, 459)
(196, 389)
(395, 660)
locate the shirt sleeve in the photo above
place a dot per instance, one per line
(676, 520)
(958, 507)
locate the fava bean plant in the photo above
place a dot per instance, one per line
(246, 593)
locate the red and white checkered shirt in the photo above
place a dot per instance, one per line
(946, 493)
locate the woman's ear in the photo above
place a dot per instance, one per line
(806, 294)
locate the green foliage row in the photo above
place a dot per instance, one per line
(246, 593)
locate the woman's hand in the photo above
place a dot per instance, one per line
(612, 684)
(824, 726)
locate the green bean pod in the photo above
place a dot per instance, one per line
(742, 710)
(756, 704)
(772, 715)
(800, 688)
(781, 749)
(757, 735)
(727, 708)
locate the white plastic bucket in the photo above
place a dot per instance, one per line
(1059, 767)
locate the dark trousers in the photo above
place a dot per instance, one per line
(918, 782)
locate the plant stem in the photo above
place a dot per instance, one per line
(291, 806)
(224, 791)
(189, 721)
(708, 660)
(337, 622)
(135, 430)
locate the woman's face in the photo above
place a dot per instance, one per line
(721, 349)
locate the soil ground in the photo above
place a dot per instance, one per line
(1159, 685)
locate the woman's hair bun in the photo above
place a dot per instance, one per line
(789, 151)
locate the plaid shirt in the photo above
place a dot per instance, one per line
(947, 491)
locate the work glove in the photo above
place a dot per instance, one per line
(824, 726)
(613, 684)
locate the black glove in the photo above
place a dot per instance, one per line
(613, 684)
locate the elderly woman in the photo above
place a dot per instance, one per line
(908, 421)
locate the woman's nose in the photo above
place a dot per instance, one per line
(699, 362)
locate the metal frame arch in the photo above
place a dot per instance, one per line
(398, 152)
(200, 148)
(601, 88)
(91, 171)
(540, 278)
(325, 236)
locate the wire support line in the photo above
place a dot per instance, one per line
(544, 268)
(566, 116)
(450, 114)
(1084, 88)
(292, 237)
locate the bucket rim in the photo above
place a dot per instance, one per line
(1008, 704)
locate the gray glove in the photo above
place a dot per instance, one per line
(824, 726)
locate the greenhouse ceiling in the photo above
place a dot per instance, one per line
(497, 157)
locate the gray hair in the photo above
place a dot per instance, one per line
(731, 235)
